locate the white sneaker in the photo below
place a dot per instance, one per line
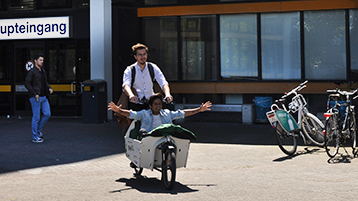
(37, 140)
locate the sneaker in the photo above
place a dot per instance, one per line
(37, 140)
(40, 135)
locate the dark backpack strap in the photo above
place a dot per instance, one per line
(133, 74)
(151, 71)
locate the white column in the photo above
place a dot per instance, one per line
(101, 43)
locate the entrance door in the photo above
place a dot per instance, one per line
(67, 66)
(23, 53)
(6, 65)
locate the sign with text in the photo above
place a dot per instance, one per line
(35, 28)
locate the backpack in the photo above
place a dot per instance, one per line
(123, 100)
(151, 72)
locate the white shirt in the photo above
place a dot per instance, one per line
(157, 121)
(143, 83)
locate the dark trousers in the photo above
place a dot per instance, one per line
(137, 107)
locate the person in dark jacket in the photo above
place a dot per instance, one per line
(39, 90)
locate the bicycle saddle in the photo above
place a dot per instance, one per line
(334, 95)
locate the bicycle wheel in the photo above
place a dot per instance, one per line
(169, 169)
(313, 130)
(352, 128)
(286, 141)
(332, 136)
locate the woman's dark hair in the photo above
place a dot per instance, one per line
(153, 97)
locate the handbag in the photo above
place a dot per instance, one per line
(123, 100)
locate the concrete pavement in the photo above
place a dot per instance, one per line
(229, 161)
(68, 140)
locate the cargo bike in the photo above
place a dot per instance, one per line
(164, 149)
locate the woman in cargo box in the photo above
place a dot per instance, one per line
(156, 116)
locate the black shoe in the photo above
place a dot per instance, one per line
(40, 135)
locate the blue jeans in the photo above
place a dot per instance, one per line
(38, 106)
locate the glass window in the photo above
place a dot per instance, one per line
(23, 55)
(160, 2)
(238, 45)
(5, 65)
(178, 2)
(325, 45)
(61, 63)
(55, 3)
(84, 60)
(161, 37)
(196, 2)
(198, 48)
(234, 0)
(353, 28)
(280, 37)
(2, 4)
(22, 4)
(81, 4)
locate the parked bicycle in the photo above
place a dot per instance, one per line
(340, 127)
(287, 129)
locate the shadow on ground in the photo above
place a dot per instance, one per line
(65, 141)
(151, 185)
(68, 140)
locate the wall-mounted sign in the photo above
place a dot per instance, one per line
(35, 28)
(29, 65)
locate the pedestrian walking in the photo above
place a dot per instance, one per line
(39, 90)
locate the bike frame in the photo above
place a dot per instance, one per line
(332, 111)
(297, 104)
(349, 108)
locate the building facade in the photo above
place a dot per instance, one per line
(231, 51)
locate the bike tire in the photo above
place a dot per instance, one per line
(332, 136)
(169, 169)
(313, 129)
(352, 129)
(286, 142)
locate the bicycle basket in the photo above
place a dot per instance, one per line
(298, 100)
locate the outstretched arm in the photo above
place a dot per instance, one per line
(112, 106)
(204, 107)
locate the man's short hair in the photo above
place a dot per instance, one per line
(38, 55)
(153, 97)
(138, 46)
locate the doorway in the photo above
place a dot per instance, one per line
(23, 55)
(67, 66)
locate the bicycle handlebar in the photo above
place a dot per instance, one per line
(334, 91)
(298, 88)
(343, 93)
